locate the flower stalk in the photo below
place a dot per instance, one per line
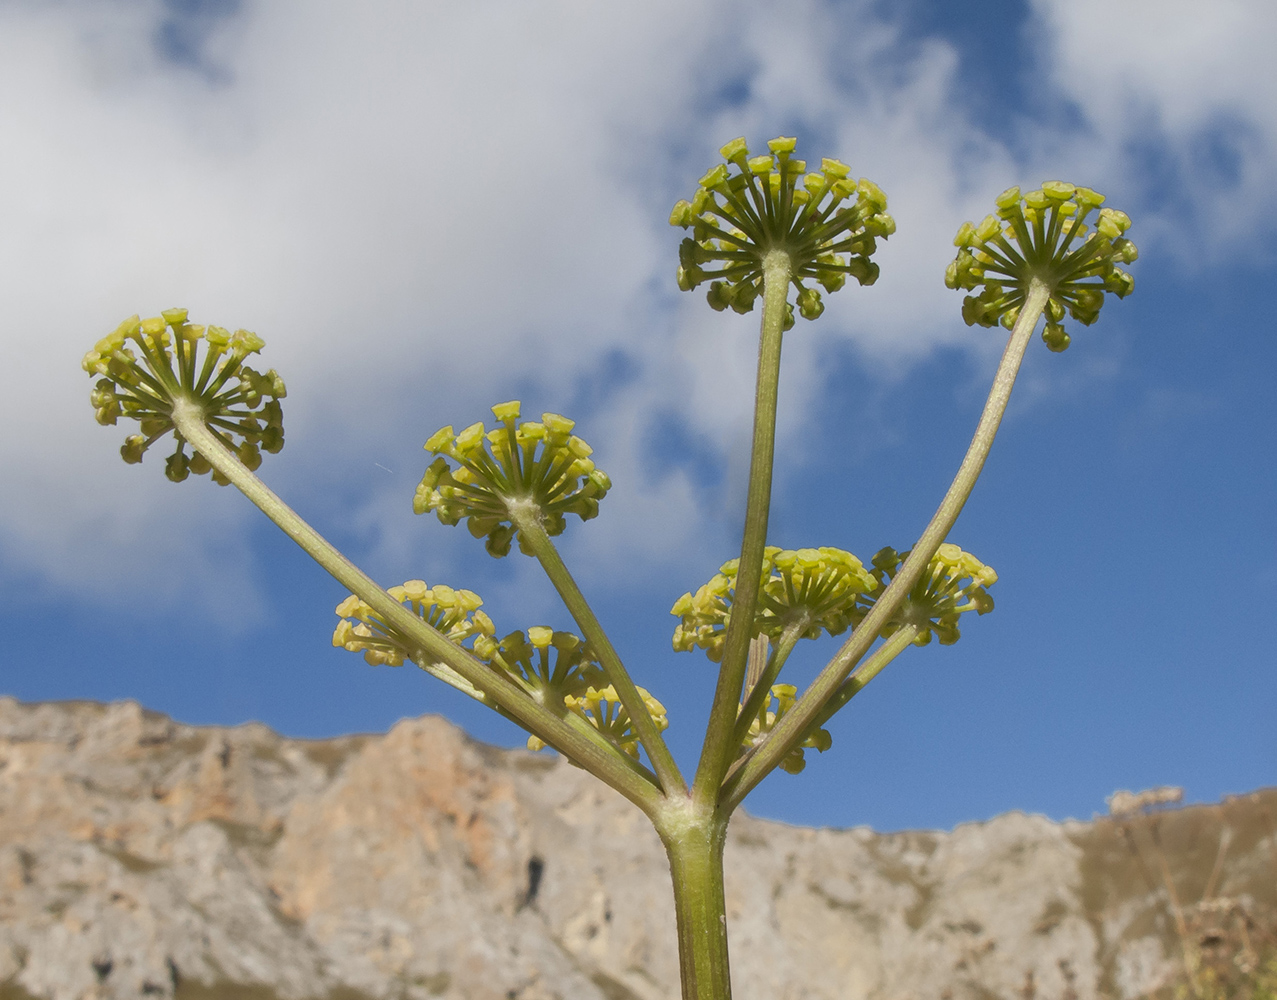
(577, 740)
(719, 748)
(528, 523)
(791, 731)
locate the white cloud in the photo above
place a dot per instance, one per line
(1181, 98)
(426, 207)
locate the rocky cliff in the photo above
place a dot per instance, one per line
(143, 858)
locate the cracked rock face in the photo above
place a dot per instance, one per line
(143, 858)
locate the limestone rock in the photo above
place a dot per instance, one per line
(143, 858)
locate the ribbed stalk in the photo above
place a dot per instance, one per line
(789, 731)
(695, 854)
(586, 746)
(719, 749)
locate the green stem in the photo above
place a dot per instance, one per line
(790, 731)
(530, 527)
(595, 755)
(852, 686)
(719, 750)
(695, 851)
(870, 669)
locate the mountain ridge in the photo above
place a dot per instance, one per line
(143, 857)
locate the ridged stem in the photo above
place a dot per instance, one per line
(695, 852)
(791, 730)
(592, 752)
(719, 750)
(530, 527)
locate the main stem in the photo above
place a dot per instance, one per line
(719, 749)
(791, 729)
(695, 850)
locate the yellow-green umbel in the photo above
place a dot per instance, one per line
(1043, 235)
(534, 462)
(955, 583)
(239, 405)
(454, 613)
(826, 221)
(803, 593)
(810, 590)
(602, 708)
(551, 666)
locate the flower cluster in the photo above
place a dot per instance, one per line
(602, 708)
(551, 666)
(535, 462)
(455, 613)
(783, 697)
(814, 589)
(240, 405)
(828, 226)
(954, 583)
(1052, 243)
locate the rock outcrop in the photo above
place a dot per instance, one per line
(143, 858)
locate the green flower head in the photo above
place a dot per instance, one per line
(953, 584)
(550, 666)
(815, 590)
(541, 463)
(826, 221)
(602, 708)
(142, 382)
(455, 613)
(780, 700)
(1043, 235)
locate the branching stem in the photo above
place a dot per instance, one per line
(590, 751)
(791, 730)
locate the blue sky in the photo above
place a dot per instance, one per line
(428, 208)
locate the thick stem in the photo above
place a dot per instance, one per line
(587, 749)
(719, 749)
(695, 852)
(658, 753)
(789, 731)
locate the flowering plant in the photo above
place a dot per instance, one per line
(759, 227)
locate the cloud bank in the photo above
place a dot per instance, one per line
(429, 207)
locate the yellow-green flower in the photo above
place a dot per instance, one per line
(455, 613)
(953, 584)
(551, 666)
(814, 590)
(826, 221)
(782, 697)
(1043, 235)
(515, 464)
(602, 708)
(240, 405)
